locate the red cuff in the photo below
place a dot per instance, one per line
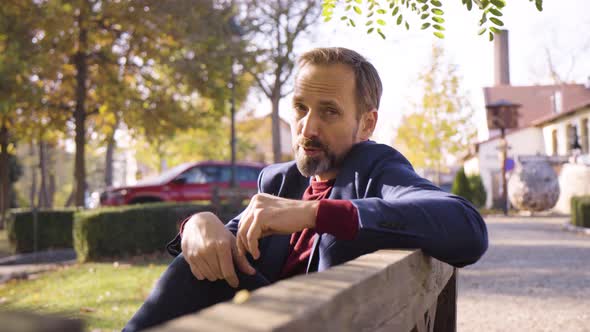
(337, 217)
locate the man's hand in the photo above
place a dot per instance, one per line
(208, 247)
(267, 214)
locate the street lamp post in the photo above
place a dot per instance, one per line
(503, 115)
(236, 32)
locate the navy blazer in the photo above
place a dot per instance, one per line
(397, 209)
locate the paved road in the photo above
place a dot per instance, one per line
(534, 277)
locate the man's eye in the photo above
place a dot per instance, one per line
(299, 108)
(331, 111)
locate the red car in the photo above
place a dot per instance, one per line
(185, 182)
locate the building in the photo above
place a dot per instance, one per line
(552, 119)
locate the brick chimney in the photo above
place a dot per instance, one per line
(501, 59)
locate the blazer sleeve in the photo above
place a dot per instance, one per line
(410, 212)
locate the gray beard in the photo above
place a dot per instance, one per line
(310, 166)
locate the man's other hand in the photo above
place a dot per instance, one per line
(210, 250)
(267, 214)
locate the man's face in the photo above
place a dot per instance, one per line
(324, 125)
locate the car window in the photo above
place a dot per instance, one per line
(224, 173)
(247, 173)
(201, 174)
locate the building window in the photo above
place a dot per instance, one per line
(554, 142)
(571, 138)
(584, 139)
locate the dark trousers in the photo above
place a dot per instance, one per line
(179, 292)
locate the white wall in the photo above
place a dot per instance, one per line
(528, 141)
(561, 127)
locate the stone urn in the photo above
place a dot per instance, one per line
(533, 186)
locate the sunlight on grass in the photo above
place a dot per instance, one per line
(104, 295)
(4, 246)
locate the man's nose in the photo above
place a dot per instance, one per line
(310, 125)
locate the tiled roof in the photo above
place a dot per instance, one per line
(537, 100)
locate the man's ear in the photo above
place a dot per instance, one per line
(368, 123)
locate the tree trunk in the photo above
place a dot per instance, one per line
(276, 128)
(43, 199)
(108, 171)
(50, 155)
(33, 192)
(80, 113)
(4, 177)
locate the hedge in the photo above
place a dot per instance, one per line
(132, 230)
(580, 210)
(54, 230)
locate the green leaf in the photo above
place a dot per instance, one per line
(495, 30)
(438, 19)
(436, 3)
(395, 10)
(380, 33)
(437, 11)
(351, 22)
(495, 12)
(407, 25)
(539, 5)
(438, 27)
(469, 4)
(327, 18)
(399, 19)
(424, 16)
(381, 11)
(439, 34)
(424, 8)
(344, 18)
(358, 1)
(369, 23)
(498, 3)
(347, 8)
(497, 21)
(358, 10)
(370, 30)
(370, 14)
(381, 22)
(491, 36)
(481, 31)
(425, 26)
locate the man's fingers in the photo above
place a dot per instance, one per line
(252, 238)
(243, 226)
(224, 257)
(195, 270)
(242, 263)
(205, 269)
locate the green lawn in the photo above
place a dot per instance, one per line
(4, 248)
(104, 295)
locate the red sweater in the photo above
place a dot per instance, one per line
(336, 217)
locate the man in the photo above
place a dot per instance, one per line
(342, 197)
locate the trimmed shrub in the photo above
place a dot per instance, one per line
(461, 185)
(477, 190)
(54, 230)
(580, 211)
(134, 229)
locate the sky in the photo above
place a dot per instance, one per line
(563, 27)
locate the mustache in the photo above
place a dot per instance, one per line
(310, 143)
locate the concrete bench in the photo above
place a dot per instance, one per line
(388, 290)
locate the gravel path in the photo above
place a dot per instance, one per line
(534, 277)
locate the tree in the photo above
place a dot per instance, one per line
(274, 26)
(461, 185)
(477, 189)
(440, 127)
(376, 13)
